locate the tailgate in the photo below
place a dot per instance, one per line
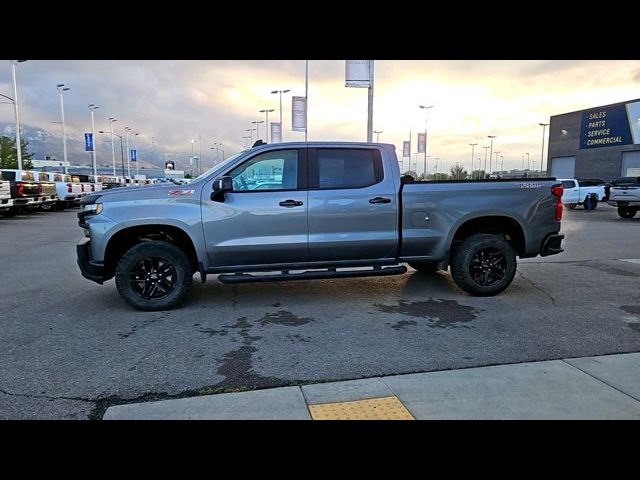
(5, 190)
(48, 188)
(629, 194)
(29, 189)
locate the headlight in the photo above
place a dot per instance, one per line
(92, 208)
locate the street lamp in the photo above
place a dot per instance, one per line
(425, 108)
(113, 151)
(258, 122)
(490, 150)
(501, 163)
(61, 89)
(127, 130)
(217, 149)
(378, 132)
(496, 161)
(135, 148)
(484, 171)
(16, 111)
(92, 108)
(121, 148)
(544, 126)
(473, 147)
(280, 92)
(251, 130)
(528, 162)
(266, 112)
(245, 138)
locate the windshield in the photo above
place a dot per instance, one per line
(221, 165)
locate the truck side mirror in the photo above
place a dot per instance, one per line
(220, 186)
(223, 184)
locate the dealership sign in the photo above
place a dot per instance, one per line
(609, 126)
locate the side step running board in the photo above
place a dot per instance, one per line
(311, 275)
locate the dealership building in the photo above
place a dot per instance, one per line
(600, 142)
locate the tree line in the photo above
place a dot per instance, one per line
(9, 153)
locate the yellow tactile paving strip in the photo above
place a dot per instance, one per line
(384, 408)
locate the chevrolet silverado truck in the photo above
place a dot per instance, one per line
(297, 211)
(25, 191)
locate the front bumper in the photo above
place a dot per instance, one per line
(94, 271)
(552, 245)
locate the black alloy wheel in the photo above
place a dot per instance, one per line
(488, 267)
(153, 278)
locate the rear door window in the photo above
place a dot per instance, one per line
(43, 177)
(11, 176)
(340, 168)
(569, 184)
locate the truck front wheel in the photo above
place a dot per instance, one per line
(153, 276)
(483, 264)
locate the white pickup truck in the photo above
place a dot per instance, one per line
(5, 194)
(69, 193)
(576, 192)
(625, 194)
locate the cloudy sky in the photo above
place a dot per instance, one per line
(175, 101)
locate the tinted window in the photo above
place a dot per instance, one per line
(43, 177)
(568, 184)
(27, 176)
(9, 176)
(590, 182)
(626, 181)
(75, 179)
(57, 177)
(347, 168)
(268, 171)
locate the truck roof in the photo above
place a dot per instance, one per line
(324, 144)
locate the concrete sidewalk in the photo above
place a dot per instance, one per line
(604, 387)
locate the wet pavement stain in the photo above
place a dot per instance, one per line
(403, 324)
(609, 269)
(632, 309)
(285, 318)
(212, 332)
(145, 323)
(298, 338)
(237, 367)
(440, 313)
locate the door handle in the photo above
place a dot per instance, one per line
(290, 203)
(380, 200)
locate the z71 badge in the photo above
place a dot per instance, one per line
(181, 192)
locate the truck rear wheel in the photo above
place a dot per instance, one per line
(425, 267)
(483, 264)
(627, 212)
(153, 276)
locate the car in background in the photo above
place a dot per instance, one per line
(87, 183)
(69, 192)
(625, 194)
(5, 195)
(48, 193)
(582, 192)
(25, 191)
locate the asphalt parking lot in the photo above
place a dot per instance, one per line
(72, 348)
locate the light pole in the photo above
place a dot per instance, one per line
(245, 138)
(378, 132)
(280, 92)
(490, 149)
(473, 147)
(121, 148)
(251, 130)
(496, 161)
(484, 171)
(544, 126)
(61, 89)
(425, 108)
(217, 149)
(501, 163)
(127, 130)
(436, 160)
(92, 108)
(266, 112)
(522, 169)
(135, 147)
(528, 162)
(16, 111)
(257, 123)
(113, 150)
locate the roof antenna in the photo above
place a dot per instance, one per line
(258, 143)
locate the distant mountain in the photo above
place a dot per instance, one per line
(45, 143)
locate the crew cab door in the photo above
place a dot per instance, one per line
(353, 210)
(571, 191)
(263, 220)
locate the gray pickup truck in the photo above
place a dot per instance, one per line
(295, 211)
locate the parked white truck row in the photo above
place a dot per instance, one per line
(28, 190)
